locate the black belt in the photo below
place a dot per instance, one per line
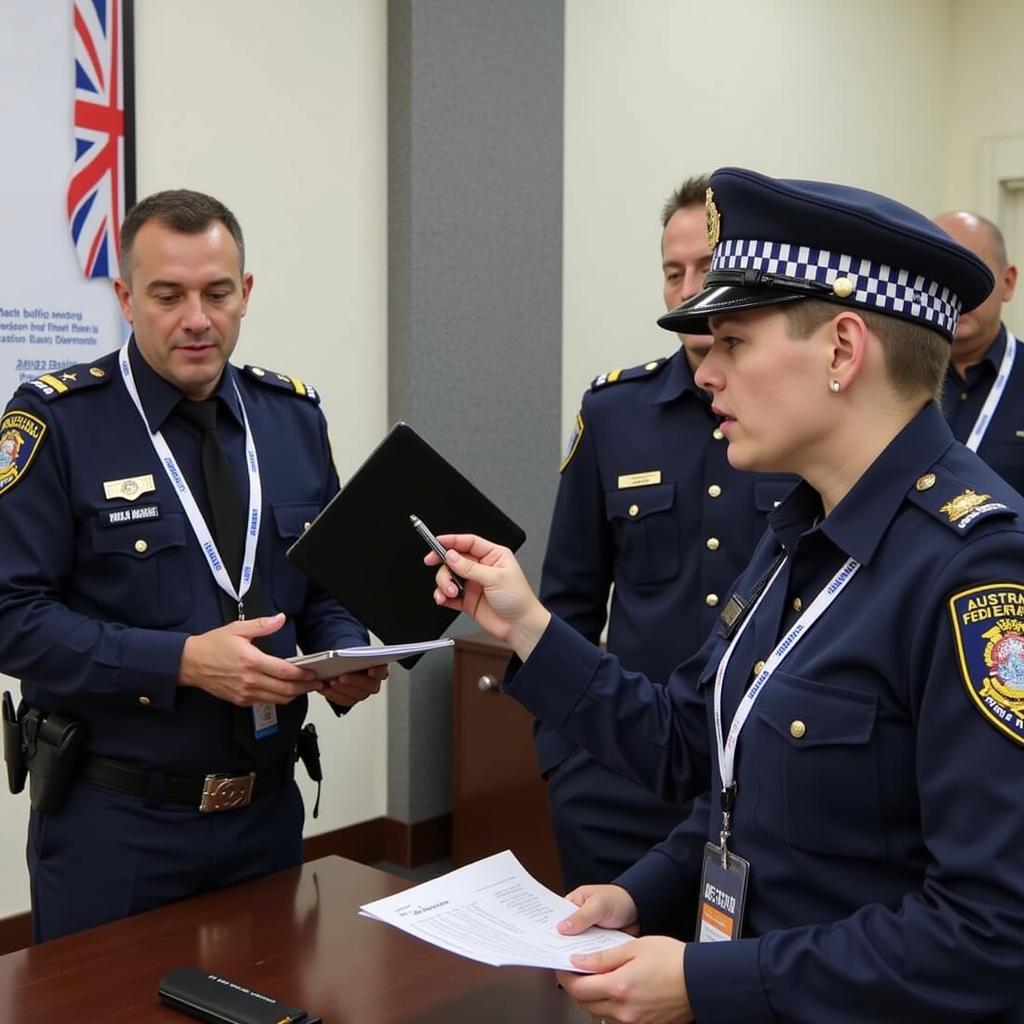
(220, 791)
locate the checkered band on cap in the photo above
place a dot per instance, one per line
(887, 289)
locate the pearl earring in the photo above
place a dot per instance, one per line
(834, 386)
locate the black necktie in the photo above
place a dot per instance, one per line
(228, 515)
(227, 512)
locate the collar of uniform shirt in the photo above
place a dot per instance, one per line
(858, 523)
(675, 379)
(159, 396)
(987, 368)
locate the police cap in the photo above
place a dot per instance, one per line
(779, 240)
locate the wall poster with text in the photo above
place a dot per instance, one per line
(66, 75)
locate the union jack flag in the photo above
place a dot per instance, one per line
(96, 189)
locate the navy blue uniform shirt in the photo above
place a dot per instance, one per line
(95, 609)
(649, 507)
(1002, 447)
(885, 833)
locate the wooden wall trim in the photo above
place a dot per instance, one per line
(407, 844)
(15, 932)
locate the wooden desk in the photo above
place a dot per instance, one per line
(295, 935)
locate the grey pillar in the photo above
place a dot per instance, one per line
(475, 308)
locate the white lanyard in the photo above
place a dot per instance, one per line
(994, 395)
(188, 502)
(818, 607)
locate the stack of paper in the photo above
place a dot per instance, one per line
(493, 911)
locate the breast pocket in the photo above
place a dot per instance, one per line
(142, 571)
(809, 757)
(289, 586)
(646, 530)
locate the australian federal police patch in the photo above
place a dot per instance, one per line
(574, 441)
(21, 435)
(988, 627)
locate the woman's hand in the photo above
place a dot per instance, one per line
(496, 593)
(640, 981)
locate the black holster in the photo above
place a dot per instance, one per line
(14, 755)
(307, 748)
(52, 745)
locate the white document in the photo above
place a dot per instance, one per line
(328, 664)
(495, 912)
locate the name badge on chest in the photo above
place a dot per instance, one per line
(129, 515)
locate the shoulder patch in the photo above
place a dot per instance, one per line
(21, 436)
(633, 373)
(988, 630)
(64, 382)
(961, 508)
(574, 441)
(291, 385)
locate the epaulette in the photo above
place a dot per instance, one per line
(55, 385)
(953, 502)
(633, 373)
(291, 385)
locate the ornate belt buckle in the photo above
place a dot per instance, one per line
(223, 792)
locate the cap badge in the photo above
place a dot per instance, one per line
(962, 504)
(842, 287)
(712, 218)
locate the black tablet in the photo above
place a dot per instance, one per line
(363, 550)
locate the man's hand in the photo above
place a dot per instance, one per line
(225, 663)
(497, 594)
(640, 981)
(351, 687)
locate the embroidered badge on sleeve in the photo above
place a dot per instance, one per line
(573, 443)
(21, 434)
(988, 628)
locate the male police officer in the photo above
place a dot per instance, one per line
(649, 507)
(983, 396)
(150, 501)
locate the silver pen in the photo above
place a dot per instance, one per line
(435, 545)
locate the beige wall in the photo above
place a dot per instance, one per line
(281, 112)
(655, 91)
(987, 94)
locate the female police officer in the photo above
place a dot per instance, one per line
(854, 725)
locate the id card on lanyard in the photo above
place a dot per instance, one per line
(264, 715)
(723, 884)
